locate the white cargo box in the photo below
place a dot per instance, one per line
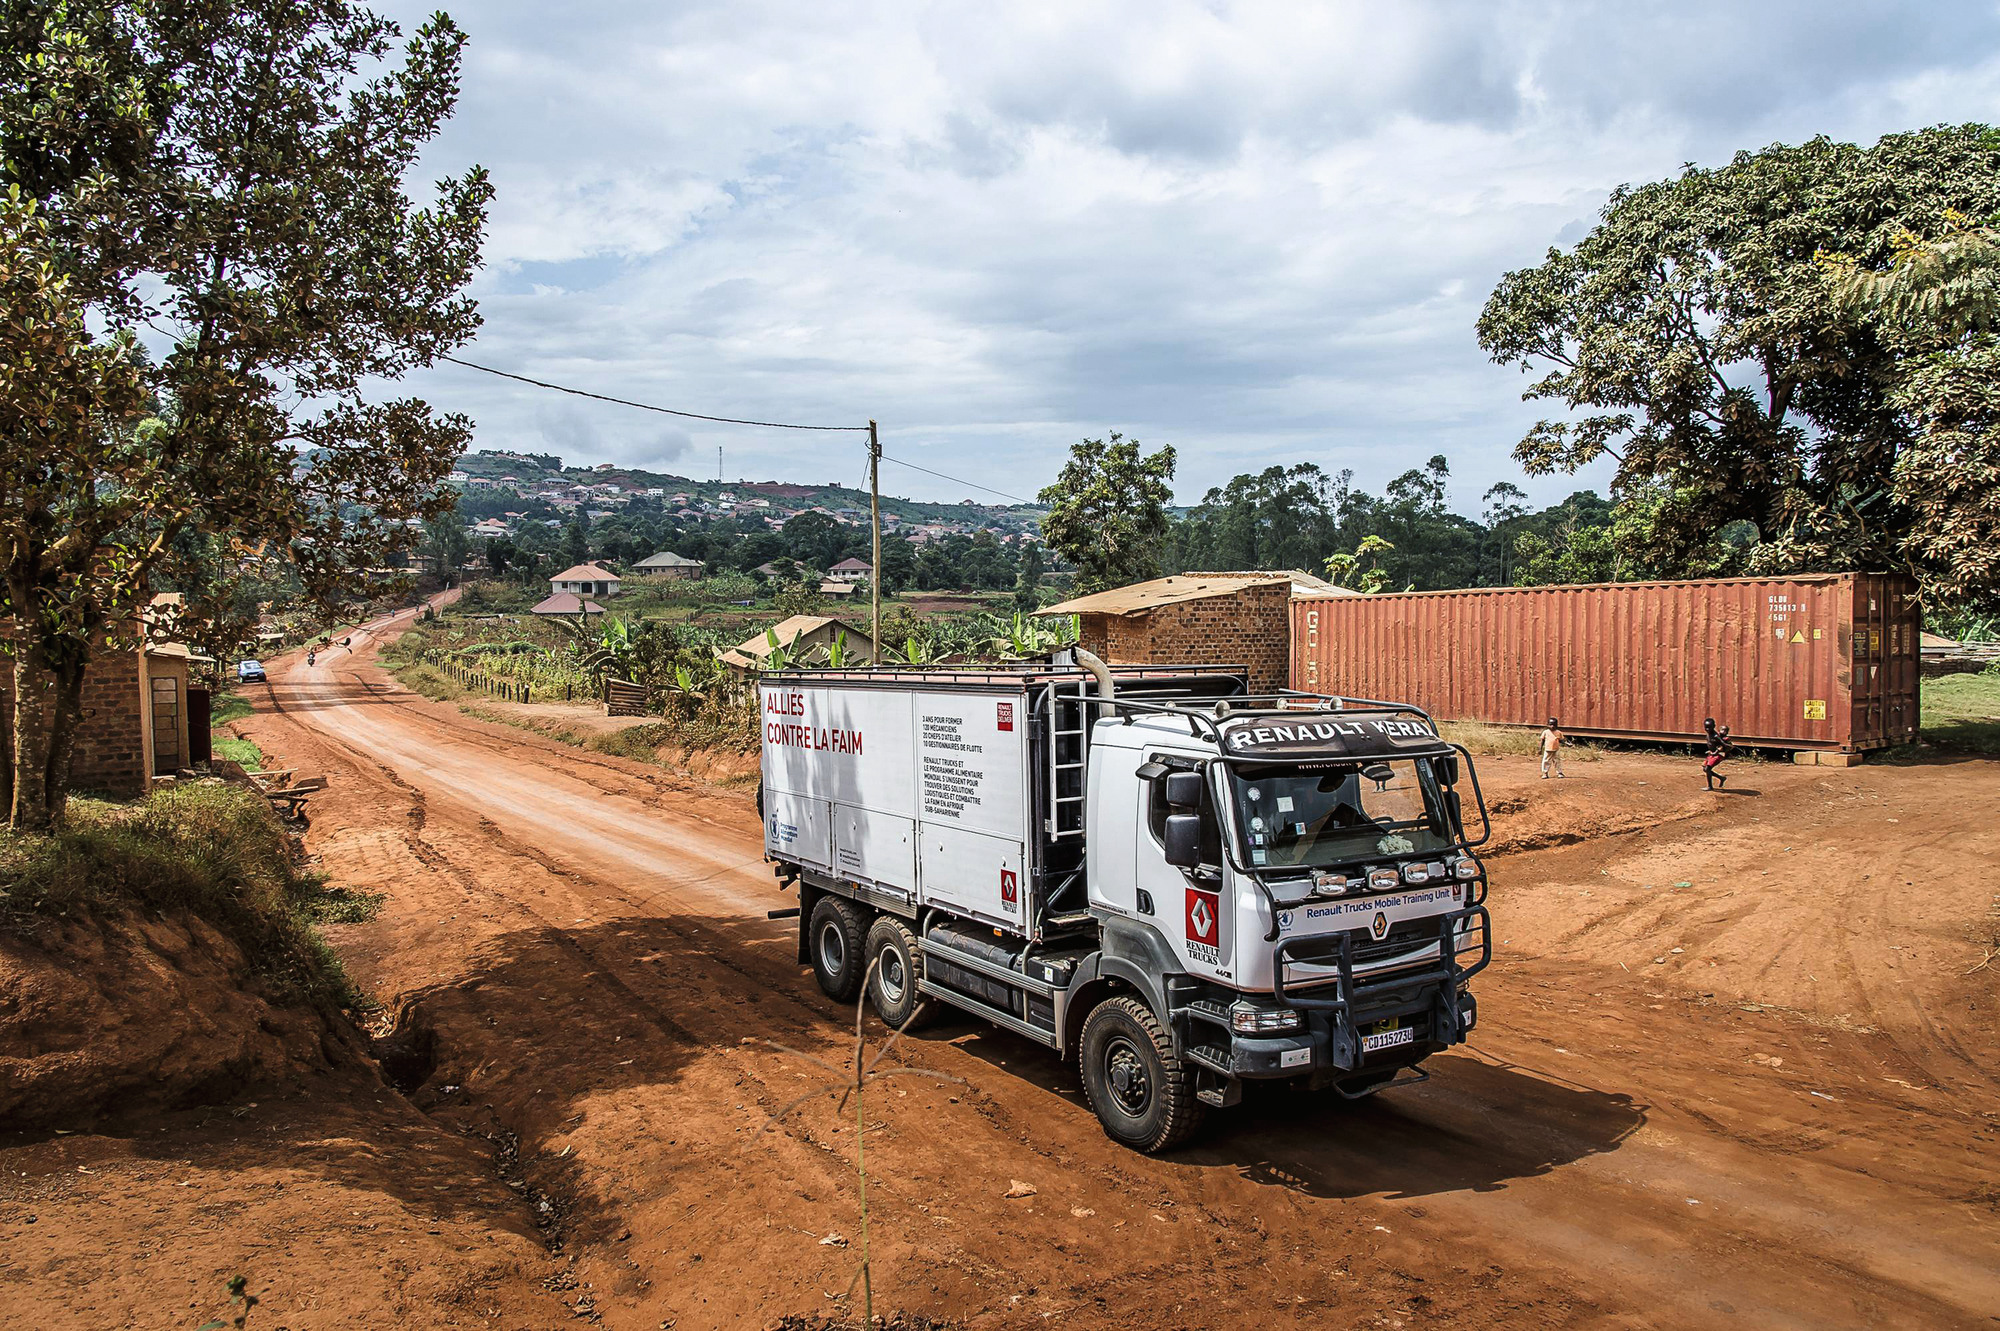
(923, 795)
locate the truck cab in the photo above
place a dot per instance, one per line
(1310, 874)
(1179, 885)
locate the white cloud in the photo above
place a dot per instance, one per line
(1261, 233)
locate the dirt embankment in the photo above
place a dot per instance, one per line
(118, 1015)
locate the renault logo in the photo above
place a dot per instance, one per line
(1381, 924)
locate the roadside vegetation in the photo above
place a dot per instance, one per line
(1962, 712)
(1487, 741)
(212, 850)
(702, 704)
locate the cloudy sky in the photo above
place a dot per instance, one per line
(1258, 232)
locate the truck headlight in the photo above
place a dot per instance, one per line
(1416, 873)
(1330, 884)
(1467, 869)
(1382, 880)
(1249, 1019)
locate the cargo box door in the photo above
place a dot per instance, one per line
(796, 827)
(974, 874)
(877, 848)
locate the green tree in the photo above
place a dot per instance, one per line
(575, 542)
(1940, 298)
(502, 554)
(1108, 512)
(1706, 345)
(445, 544)
(1360, 571)
(229, 175)
(899, 565)
(1028, 581)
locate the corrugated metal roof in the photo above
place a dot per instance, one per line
(567, 603)
(1143, 596)
(585, 573)
(751, 654)
(668, 559)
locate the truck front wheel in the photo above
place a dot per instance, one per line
(1139, 1091)
(834, 944)
(892, 987)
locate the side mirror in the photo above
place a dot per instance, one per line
(1181, 840)
(1457, 812)
(1448, 766)
(1184, 790)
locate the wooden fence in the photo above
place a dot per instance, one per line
(509, 689)
(624, 698)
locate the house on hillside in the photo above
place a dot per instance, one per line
(567, 603)
(594, 578)
(667, 564)
(840, 591)
(798, 635)
(850, 570)
(487, 529)
(1242, 619)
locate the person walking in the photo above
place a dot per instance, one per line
(1719, 748)
(1552, 755)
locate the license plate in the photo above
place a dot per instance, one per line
(1387, 1036)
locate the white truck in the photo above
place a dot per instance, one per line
(1180, 886)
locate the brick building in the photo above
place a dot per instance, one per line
(1241, 619)
(141, 719)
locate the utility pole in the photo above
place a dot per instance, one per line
(875, 521)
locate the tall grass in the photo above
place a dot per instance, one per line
(214, 851)
(1488, 741)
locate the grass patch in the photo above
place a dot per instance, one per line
(242, 751)
(429, 681)
(228, 706)
(212, 850)
(1962, 712)
(640, 743)
(1488, 741)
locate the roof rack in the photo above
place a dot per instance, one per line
(1200, 716)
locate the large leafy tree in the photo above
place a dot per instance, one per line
(1701, 340)
(210, 258)
(1108, 512)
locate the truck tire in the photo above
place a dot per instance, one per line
(892, 986)
(834, 946)
(1139, 1091)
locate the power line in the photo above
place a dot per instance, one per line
(956, 480)
(647, 406)
(726, 420)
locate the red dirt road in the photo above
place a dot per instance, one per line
(1735, 1069)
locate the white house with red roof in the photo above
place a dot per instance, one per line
(594, 578)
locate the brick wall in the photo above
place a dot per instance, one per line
(1251, 627)
(110, 755)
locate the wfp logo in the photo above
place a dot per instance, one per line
(1284, 921)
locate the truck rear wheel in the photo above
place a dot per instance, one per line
(834, 945)
(1139, 1091)
(892, 987)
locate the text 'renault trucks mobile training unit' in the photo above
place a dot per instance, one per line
(1181, 886)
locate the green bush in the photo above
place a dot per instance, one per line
(212, 850)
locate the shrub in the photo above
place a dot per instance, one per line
(214, 851)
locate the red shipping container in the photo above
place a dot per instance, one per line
(1816, 661)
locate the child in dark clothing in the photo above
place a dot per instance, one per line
(1719, 748)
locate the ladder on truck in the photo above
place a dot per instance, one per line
(1069, 756)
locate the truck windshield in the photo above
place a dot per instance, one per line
(1324, 816)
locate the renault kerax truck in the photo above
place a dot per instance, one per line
(1179, 885)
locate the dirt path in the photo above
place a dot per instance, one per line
(1787, 1119)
